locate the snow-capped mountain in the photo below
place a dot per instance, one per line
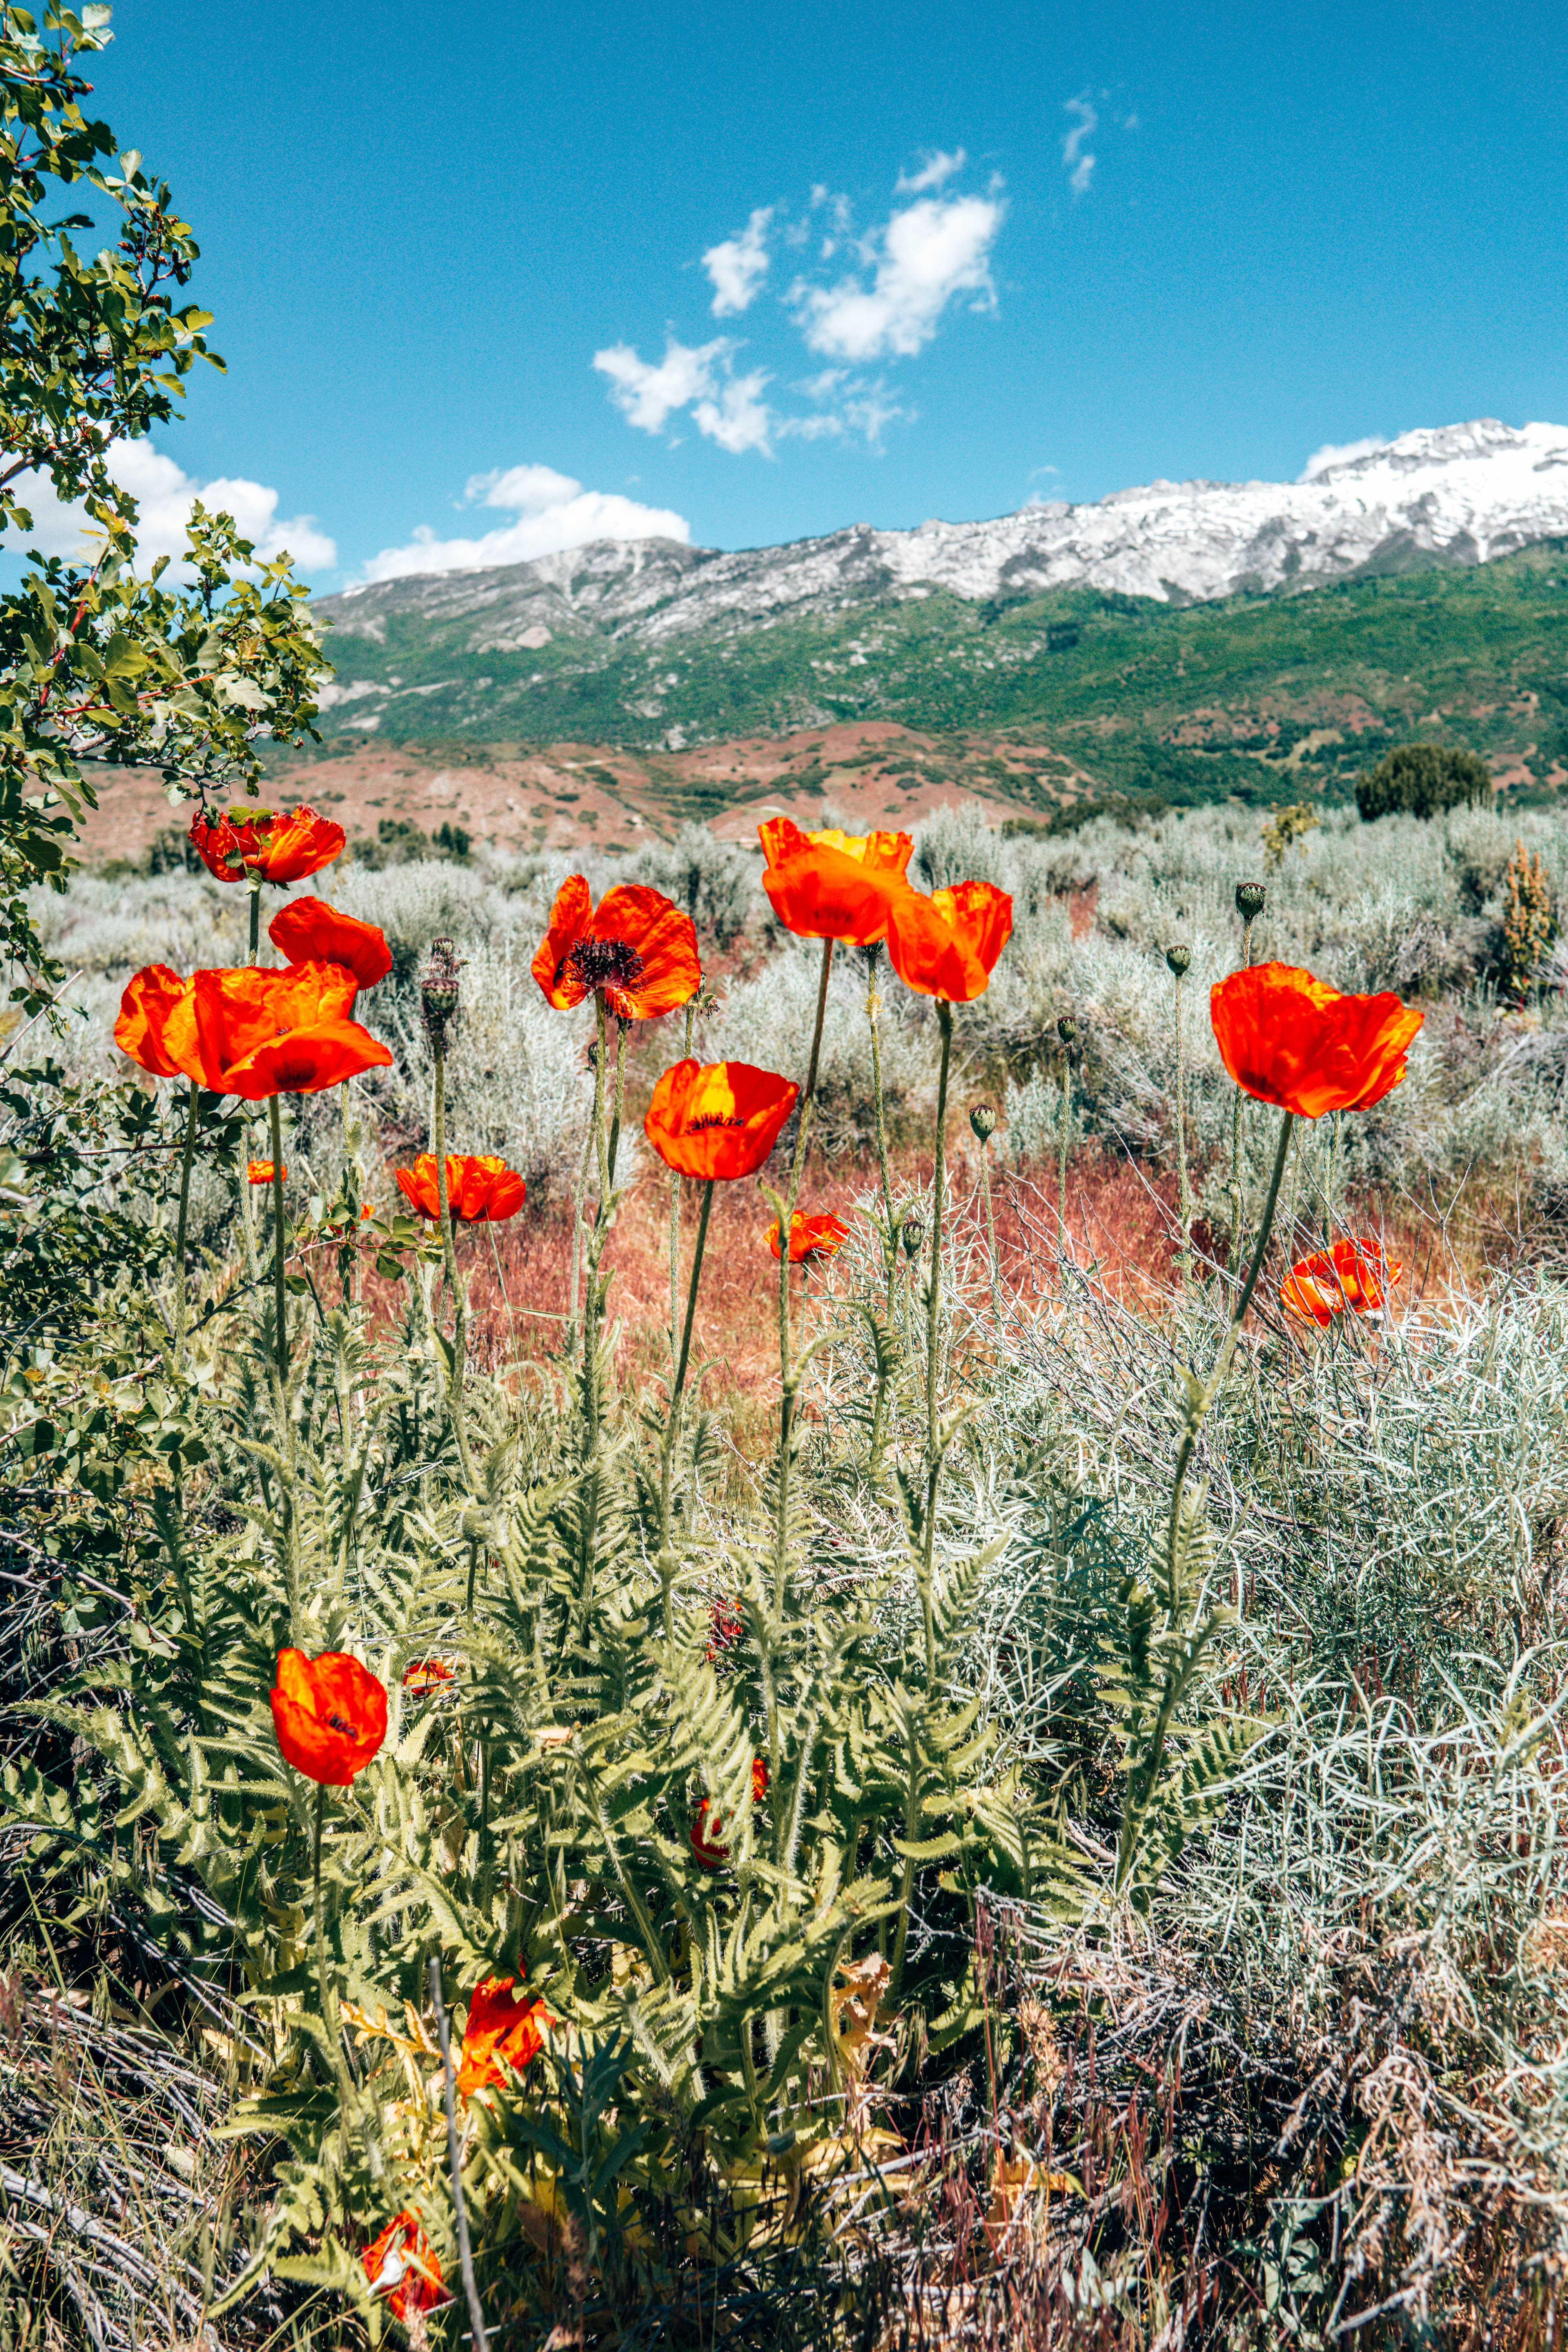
(1458, 493)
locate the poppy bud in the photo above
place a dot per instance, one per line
(1066, 1029)
(914, 1233)
(439, 993)
(1250, 900)
(983, 1120)
(1179, 957)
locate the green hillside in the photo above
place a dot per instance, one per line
(1264, 696)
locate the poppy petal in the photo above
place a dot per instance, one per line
(718, 1121)
(307, 931)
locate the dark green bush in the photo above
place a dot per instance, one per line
(1423, 780)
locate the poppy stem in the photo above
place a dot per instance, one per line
(933, 1289)
(190, 1154)
(332, 2024)
(991, 1233)
(786, 1228)
(449, 1258)
(672, 1431)
(1185, 1260)
(619, 1097)
(255, 920)
(691, 1294)
(1235, 1253)
(465, 2250)
(873, 1014)
(1062, 1148)
(280, 1294)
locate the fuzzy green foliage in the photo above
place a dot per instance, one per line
(1424, 779)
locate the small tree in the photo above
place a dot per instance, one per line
(99, 668)
(1423, 780)
(1529, 920)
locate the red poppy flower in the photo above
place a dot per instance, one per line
(503, 2031)
(478, 1191)
(256, 1033)
(307, 931)
(718, 1119)
(833, 885)
(759, 1779)
(1291, 1040)
(635, 949)
(1351, 1275)
(330, 1715)
(428, 1673)
(150, 1002)
(280, 844)
(947, 945)
(810, 1236)
(708, 1850)
(725, 1627)
(401, 2265)
(260, 1171)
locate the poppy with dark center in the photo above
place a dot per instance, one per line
(330, 1715)
(307, 931)
(635, 950)
(810, 1237)
(481, 1191)
(948, 945)
(718, 1121)
(833, 885)
(1289, 1039)
(273, 845)
(401, 2265)
(504, 2031)
(261, 1172)
(1351, 1275)
(249, 1033)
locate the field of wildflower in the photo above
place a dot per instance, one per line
(804, 1599)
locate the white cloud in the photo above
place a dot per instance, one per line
(932, 172)
(165, 495)
(736, 416)
(645, 394)
(737, 268)
(551, 512)
(1344, 453)
(931, 252)
(1077, 160)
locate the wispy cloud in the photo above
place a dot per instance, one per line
(737, 267)
(1076, 158)
(933, 174)
(550, 511)
(165, 495)
(924, 257)
(726, 408)
(1342, 453)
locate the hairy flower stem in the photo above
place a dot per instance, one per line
(787, 1378)
(675, 1250)
(991, 1234)
(933, 1288)
(1235, 1252)
(1141, 1786)
(281, 1292)
(1062, 1151)
(672, 1429)
(578, 1190)
(454, 2158)
(615, 1143)
(189, 1154)
(1184, 1259)
(255, 920)
(458, 1291)
(593, 1301)
(331, 2023)
(874, 1015)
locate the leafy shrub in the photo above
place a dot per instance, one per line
(1423, 780)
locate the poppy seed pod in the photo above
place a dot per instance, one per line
(439, 993)
(983, 1120)
(913, 1233)
(1066, 1029)
(1250, 900)
(1179, 957)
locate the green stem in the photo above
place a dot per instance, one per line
(190, 1154)
(672, 1429)
(279, 1290)
(330, 2022)
(1234, 1251)
(459, 1293)
(255, 921)
(991, 1234)
(597, 1241)
(1184, 1259)
(873, 1014)
(620, 1097)
(692, 1295)
(933, 1289)
(786, 1227)
(1062, 1151)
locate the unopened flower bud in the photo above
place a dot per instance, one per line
(439, 993)
(983, 1120)
(913, 1233)
(1250, 900)
(1066, 1029)
(1179, 957)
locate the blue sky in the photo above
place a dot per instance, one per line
(506, 277)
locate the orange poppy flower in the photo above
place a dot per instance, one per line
(810, 1236)
(635, 949)
(330, 1715)
(1292, 1040)
(725, 1627)
(759, 1779)
(502, 2031)
(151, 1000)
(833, 885)
(947, 945)
(1351, 1275)
(478, 1191)
(428, 1673)
(401, 2265)
(718, 1119)
(260, 1171)
(707, 1849)
(307, 931)
(280, 844)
